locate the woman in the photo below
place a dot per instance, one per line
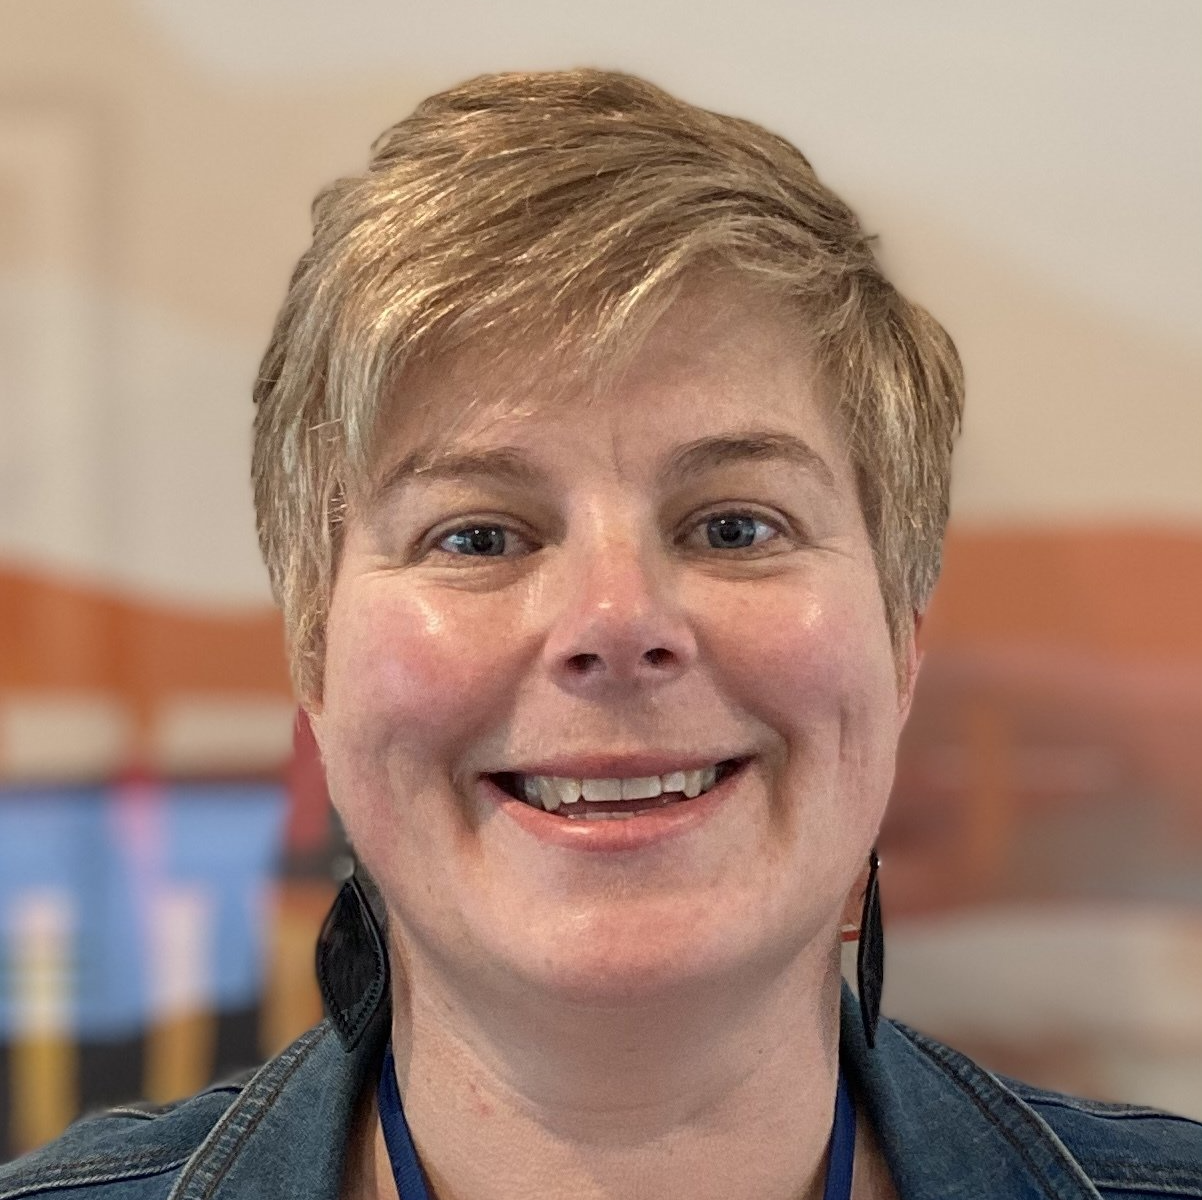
(601, 477)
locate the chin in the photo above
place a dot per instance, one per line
(653, 956)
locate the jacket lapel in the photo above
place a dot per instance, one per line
(286, 1134)
(950, 1129)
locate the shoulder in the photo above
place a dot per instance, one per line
(132, 1153)
(1122, 1147)
(275, 1133)
(1124, 1151)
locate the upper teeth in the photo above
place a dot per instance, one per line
(551, 791)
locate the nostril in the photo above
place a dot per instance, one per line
(583, 663)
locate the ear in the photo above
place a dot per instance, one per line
(853, 906)
(911, 662)
(309, 723)
(310, 698)
(308, 676)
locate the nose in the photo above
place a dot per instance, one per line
(621, 624)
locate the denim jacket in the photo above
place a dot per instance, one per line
(949, 1129)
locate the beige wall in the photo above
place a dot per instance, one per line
(1035, 170)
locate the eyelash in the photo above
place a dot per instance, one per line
(777, 527)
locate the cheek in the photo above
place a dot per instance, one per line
(803, 659)
(817, 670)
(406, 676)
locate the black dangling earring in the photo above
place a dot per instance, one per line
(352, 963)
(870, 954)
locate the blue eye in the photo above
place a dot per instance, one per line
(723, 531)
(476, 541)
(734, 531)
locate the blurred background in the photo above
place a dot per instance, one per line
(1034, 169)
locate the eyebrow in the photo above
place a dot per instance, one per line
(711, 453)
(501, 465)
(507, 465)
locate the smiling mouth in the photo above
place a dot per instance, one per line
(598, 799)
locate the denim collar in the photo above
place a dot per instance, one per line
(948, 1128)
(286, 1134)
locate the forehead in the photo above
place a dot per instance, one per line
(722, 356)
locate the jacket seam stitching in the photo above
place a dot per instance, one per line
(1147, 1189)
(1029, 1118)
(75, 1179)
(158, 1114)
(193, 1171)
(1118, 1113)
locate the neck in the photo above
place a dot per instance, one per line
(725, 1092)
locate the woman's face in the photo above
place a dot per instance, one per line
(672, 577)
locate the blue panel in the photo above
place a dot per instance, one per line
(109, 852)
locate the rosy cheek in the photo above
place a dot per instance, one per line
(800, 657)
(776, 641)
(408, 670)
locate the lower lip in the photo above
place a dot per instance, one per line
(615, 835)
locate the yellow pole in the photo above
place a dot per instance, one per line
(44, 1058)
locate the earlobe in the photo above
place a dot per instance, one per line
(849, 925)
(911, 665)
(309, 720)
(311, 703)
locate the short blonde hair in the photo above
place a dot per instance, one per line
(564, 210)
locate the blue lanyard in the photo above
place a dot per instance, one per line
(410, 1185)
